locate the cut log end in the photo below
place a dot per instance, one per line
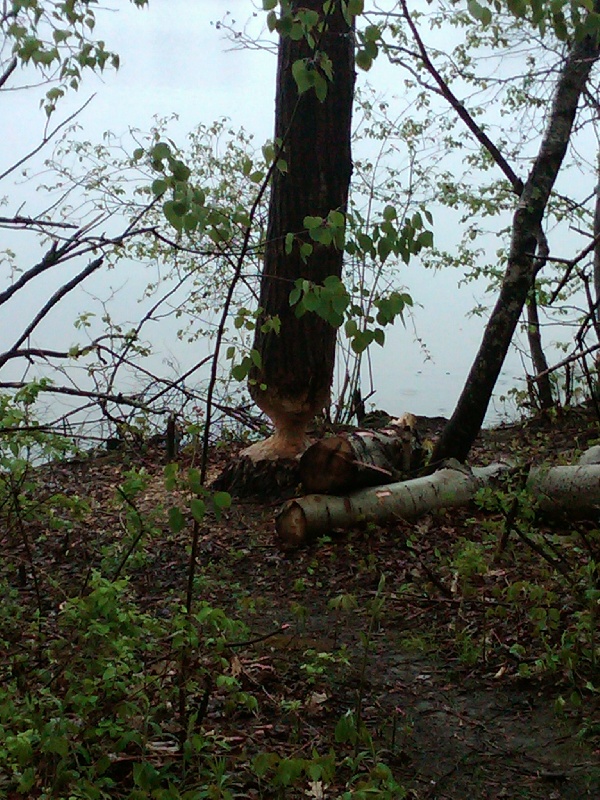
(328, 466)
(291, 526)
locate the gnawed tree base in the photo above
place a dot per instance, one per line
(362, 458)
(267, 479)
(574, 489)
(273, 468)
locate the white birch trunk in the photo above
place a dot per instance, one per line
(556, 489)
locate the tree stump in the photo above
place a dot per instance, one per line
(267, 480)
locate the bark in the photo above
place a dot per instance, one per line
(302, 520)
(269, 480)
(571, 489)
(294, 381)
(353, 460)
(543, 387)
(597, 253)
(463, 427)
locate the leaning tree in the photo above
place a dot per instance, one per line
(294, 359)
(525, 256)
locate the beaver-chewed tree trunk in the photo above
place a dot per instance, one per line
(294, 380)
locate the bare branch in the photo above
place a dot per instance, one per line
(47, 137)
(29, 222)
(56, 298)
(460, 109)
(8, 71)
(571, 266)
(118, 399)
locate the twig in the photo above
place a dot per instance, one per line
(56, 298)
(46, 139)
(8, 71)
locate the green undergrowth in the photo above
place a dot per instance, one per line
(142, 656)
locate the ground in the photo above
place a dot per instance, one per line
(471, 667)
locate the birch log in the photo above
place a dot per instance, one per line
(572, 489)
(340, 464)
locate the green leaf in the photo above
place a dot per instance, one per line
(176, 519)
(351, 328)
(269, 4)
(198, 509)
(222, 500)
(173, 214)
(379, 336)
(303, 77)
(361, 341)
(336, 218)
(311, 301)
(190, 222)
(356, 7)
(364, 60)
(272, 21)
(479, 12)
(194, 481)
(345, 730)
(384, 248)
(320, 86)
(180, 171)
(425, 239)
(171, 471)
(240, 372)
(372, 33)
(306, 249)
(160, 150)
(312, 222)
(389, 213)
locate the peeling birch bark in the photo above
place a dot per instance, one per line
(356, 459)
(571, 489)
(305, 518)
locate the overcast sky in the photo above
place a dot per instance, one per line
(174, 58)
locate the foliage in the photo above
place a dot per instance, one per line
(101, 697)
(113, 684)
(478, 154)
(53, 36)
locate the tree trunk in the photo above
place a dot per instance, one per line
(540, 383)
(302, 520)
(356, 459)
(294, 380)
(597, 254)
(464, 425)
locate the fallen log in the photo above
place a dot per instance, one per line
(574, 489)
(353, 460)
